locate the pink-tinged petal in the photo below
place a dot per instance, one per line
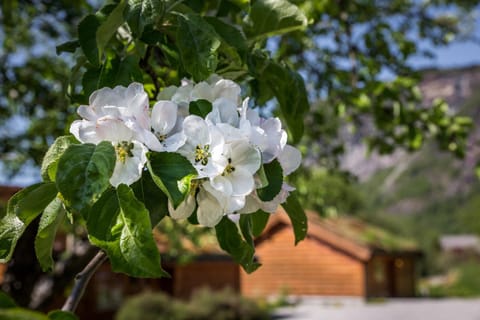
(290, 159)
(112, 129)
(87, 113)
(164, 117)
(209, 211)
(85, 131)
(184, 210)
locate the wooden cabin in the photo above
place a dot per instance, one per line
(339, 257)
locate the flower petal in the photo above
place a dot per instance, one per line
(131, 170)
(85, 131)
(290, 159)
(246, 156)
(242, 182)
(209, 211)
(164, 117)
(184, 210)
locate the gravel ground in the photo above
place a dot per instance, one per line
(396, 309)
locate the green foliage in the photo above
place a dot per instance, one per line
(52, 217)
(274, 179)
(223, 305)
(6, 301)
(83, 173)
(88, 26)
(151, 306)
(271, 17)
(230, 240)
(22, 209)
(203, 305)
(200, 108)
(329, 191)
(50, 161)
(10, 311)
(466, 282)
(172, 173)
(198, 45)
(120, 224)
(259, 222)
(297, 217)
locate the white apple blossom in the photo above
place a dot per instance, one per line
(266, 134)
(167, 126)
(121, 116)
(203, 147)
(237, 178)
(130, 154)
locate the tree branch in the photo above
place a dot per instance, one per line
(81, 281)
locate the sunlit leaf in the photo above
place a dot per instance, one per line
(22, 209)
(83, 173)
(52, 217)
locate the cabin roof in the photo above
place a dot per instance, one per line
(348, 234)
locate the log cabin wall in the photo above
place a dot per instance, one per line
(310, 268)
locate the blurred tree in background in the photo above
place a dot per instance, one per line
(346, 53)
(353, 55)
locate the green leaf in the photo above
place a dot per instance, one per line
(200, 108)
(61, 315)
(297, 217)
(22, 209)
(120, 71)
(198, 43)
(120, 225)
(230, 240)
(109, 27)
(6, 301)
(274, 17)
(86, 28)
(245, 224)
(21, 314)
(50, 161)
(172, 173)
(287, 86)
(230, 35)
(259, 222)
(156, 202)
(90, 81)
(52, 217)
(83, 173)
(141, 13)
(274, 174)
(69, 46)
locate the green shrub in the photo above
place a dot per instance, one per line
(223, 305)
(203, 305)
(151, 306)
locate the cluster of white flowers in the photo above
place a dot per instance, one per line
(227, 147)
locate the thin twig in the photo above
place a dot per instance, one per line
(81, 281)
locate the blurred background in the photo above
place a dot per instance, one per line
(389, 177)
